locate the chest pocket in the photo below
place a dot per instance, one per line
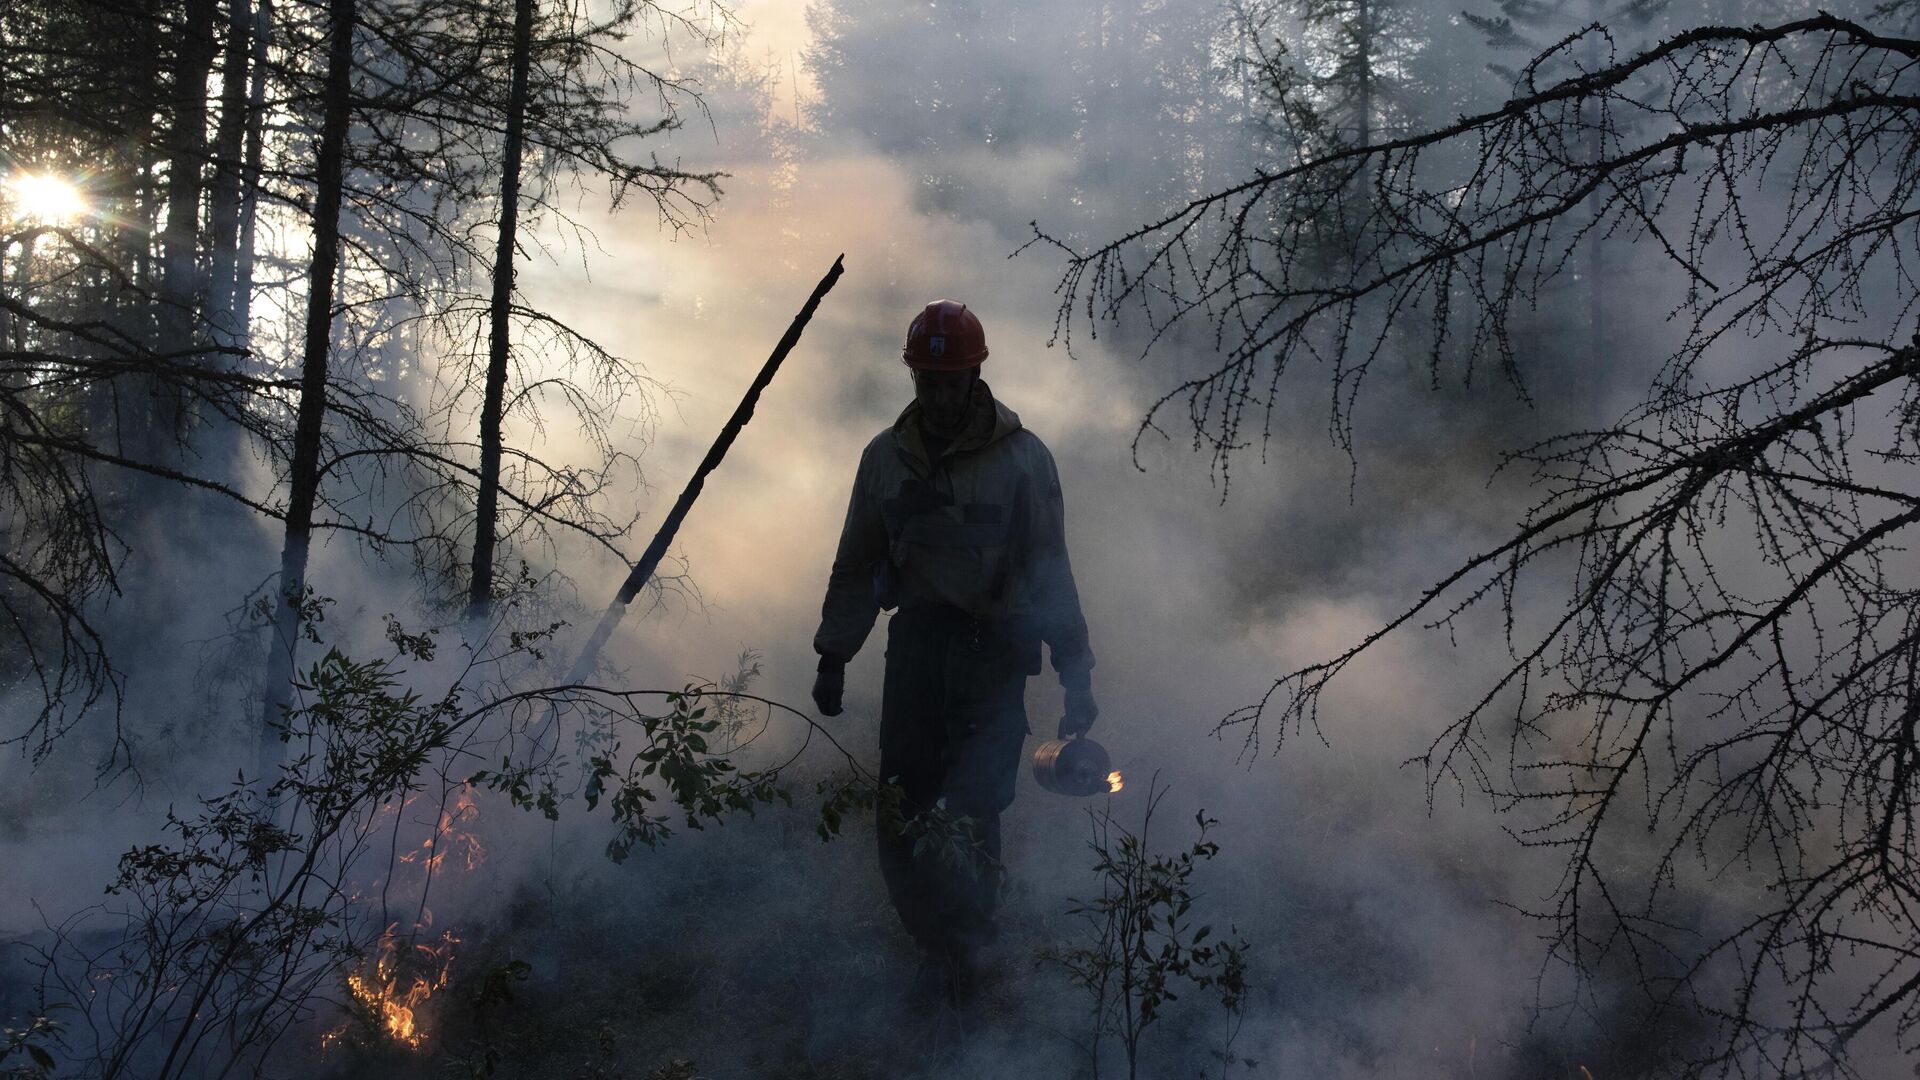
(968, 525)
(951, 530)
(921, 514)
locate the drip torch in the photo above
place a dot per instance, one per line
(1077, 766)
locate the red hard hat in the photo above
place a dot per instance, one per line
(945, 337)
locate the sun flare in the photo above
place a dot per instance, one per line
(46, 198)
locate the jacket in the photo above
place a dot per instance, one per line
(981, 529)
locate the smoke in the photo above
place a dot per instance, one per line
(1386, 940)
(1383, 940)
(1381, 945)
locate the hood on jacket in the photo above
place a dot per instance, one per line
(989, 422)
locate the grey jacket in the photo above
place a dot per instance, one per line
(983, 529)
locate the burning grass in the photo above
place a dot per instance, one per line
(388, 993)
(389, 998)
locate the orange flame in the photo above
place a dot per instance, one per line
(447, 837)
(393, 999)
(1114, 782)
(394, 991)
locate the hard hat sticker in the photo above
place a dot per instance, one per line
(937, 345)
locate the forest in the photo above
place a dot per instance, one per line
(1487, 438)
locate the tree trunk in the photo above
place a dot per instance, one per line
(480, 588)
(186, 154)
(1590, 380)
(229, 146)
(250, 177)
(1242, 24)
(220, 446)
(304, 479)
(1365, 41)
(130, 239)
(180, 287)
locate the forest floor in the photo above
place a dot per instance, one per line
(751, 950)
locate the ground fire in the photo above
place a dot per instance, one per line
(402, 981)
(448, 838)
(406, 972)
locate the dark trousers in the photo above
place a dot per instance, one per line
(952, 723)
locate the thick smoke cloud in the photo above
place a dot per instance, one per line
(1381, 943)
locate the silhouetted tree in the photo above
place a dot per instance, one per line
(480, 584)
(242, 85)
(99, 366)
(1129, 87)
(1713, 620)
(1531, 28)
(133, 347)
(563, 98)
(303, 479)
(1362, 48)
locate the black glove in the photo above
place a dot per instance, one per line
(1081, 710)
(828, 685)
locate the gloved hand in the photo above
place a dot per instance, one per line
(828, 685)
(1080, 712)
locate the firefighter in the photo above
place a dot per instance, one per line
(957, 521)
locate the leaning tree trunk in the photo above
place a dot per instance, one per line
(304, 479)
(480, 587)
